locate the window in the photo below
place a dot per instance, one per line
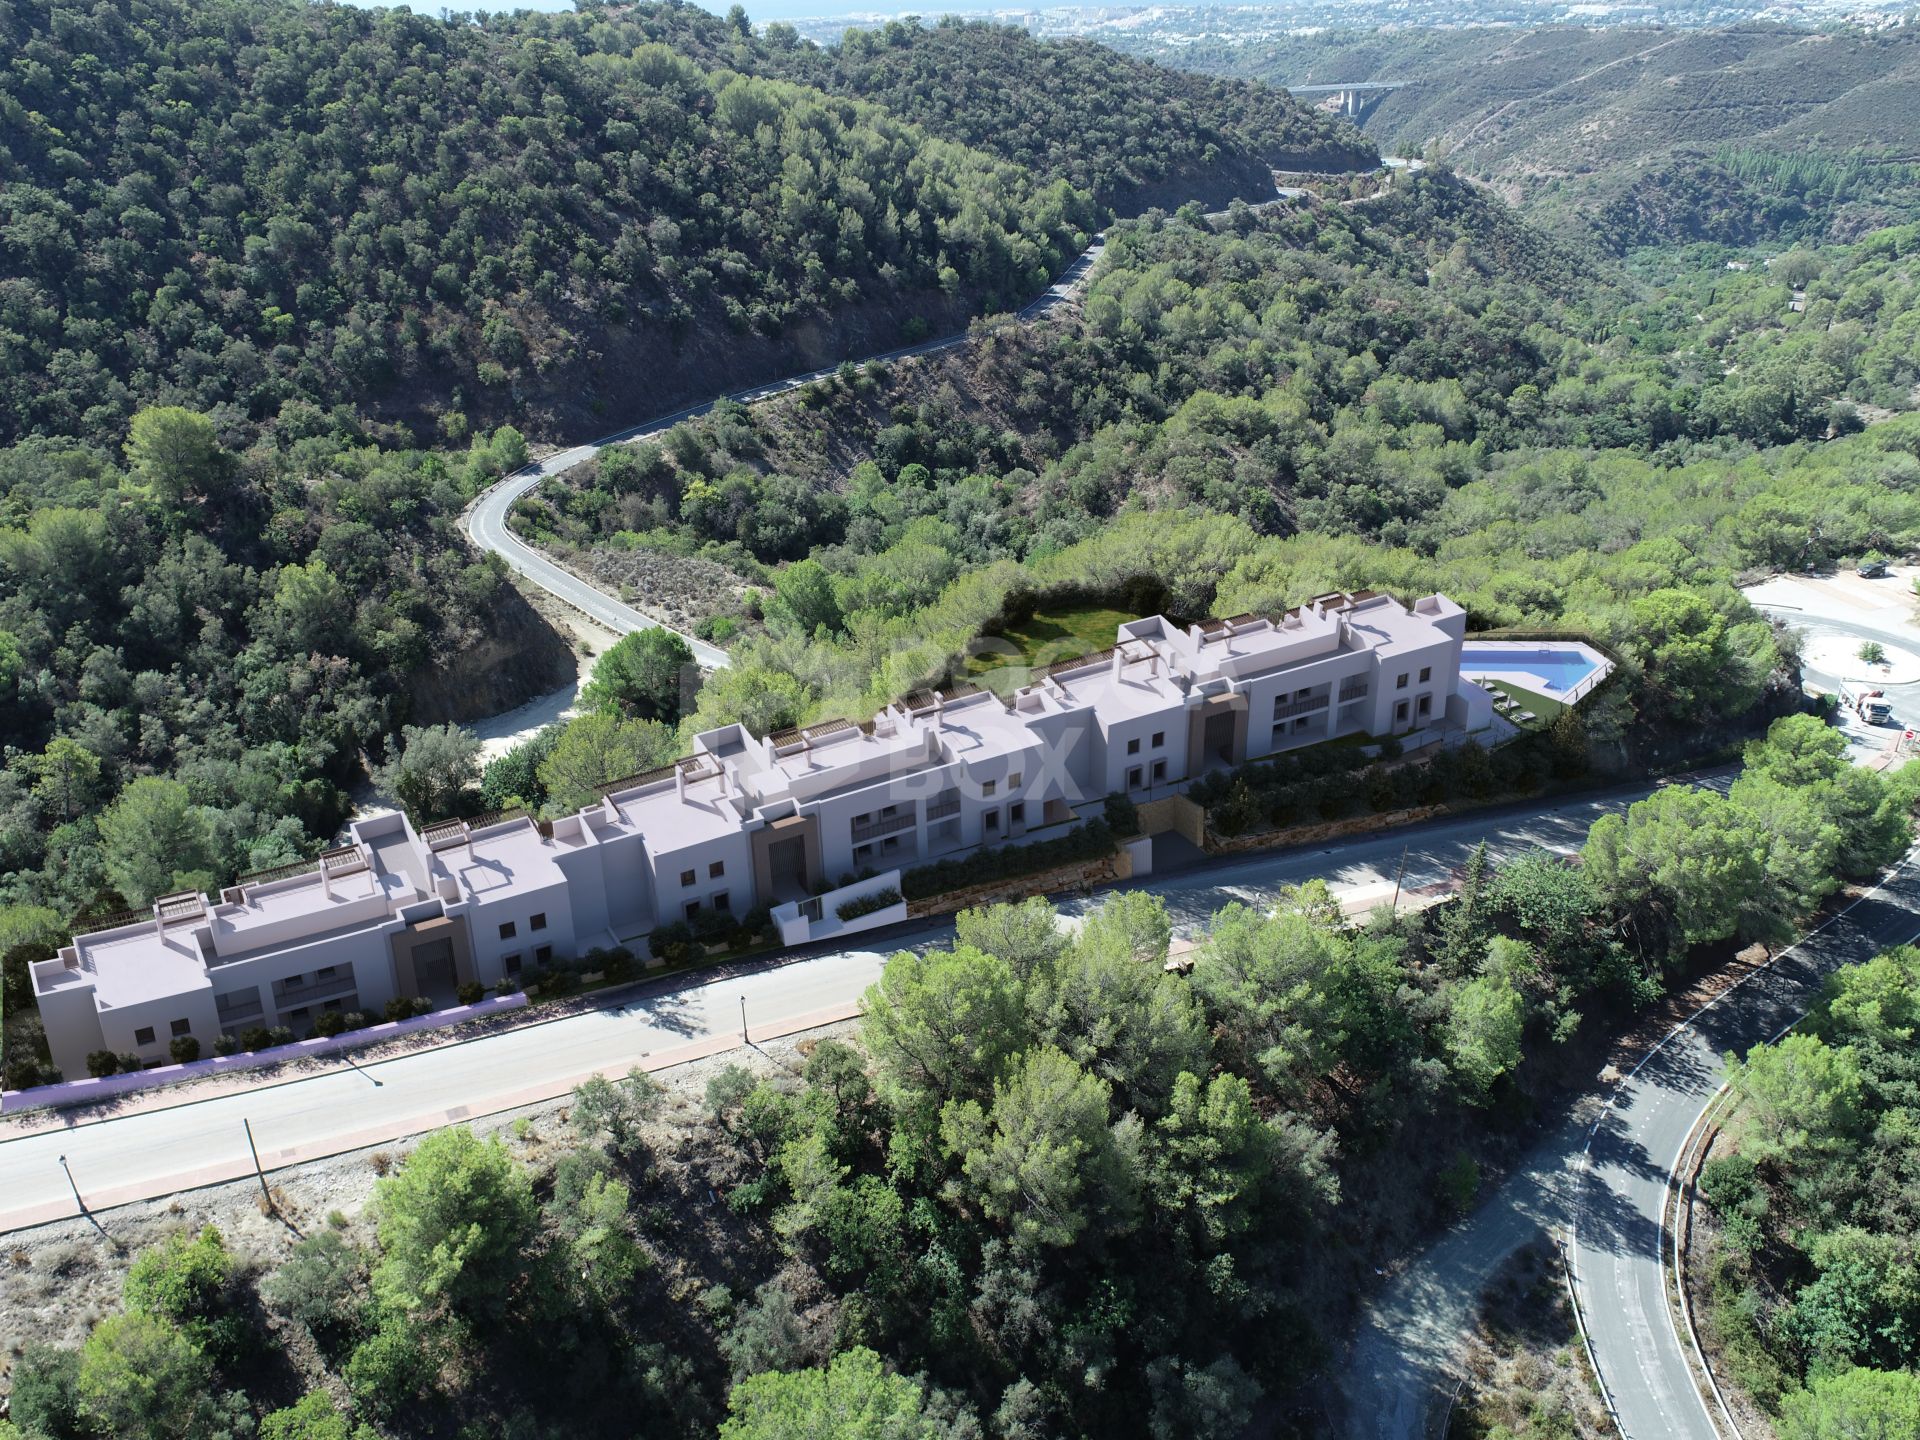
(538, 922)
(144, 1035)
(1306, 694)
(507, 932)
(723, 901)
(1013, 780)
(1017, 815)
(1425, 707)
(687, 877)
(543, 955)
(990, 822)
(887, 811)
(327, 972)
(863, 852)
(987, 787)
(181, 1027)
(1133, 746)
(1400, 711)
(1401, 683)
(334, 1005)
(1159, 771)
(1159, 738)
(693, 908)
(512, 964)
(716, 869)
(1426, 673)
(1133, 778)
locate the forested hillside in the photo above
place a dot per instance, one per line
(244, 204)
(1417, 392)
(1633, 135)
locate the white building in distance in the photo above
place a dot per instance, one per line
(745, 822)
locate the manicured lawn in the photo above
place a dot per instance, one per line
(1000, 661)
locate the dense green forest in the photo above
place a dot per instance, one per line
(1631, 135)
(1414, 392)
(247, 205)
(1054, 1190)
(1811, 1269)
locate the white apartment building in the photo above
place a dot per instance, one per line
(746, 821)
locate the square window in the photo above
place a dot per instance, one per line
(863, 852)
(716, 869)
(538, 922)
(722, 901)
(507, 932)
(987, 787)
(1426, 673)
(687, 877)
(863, 818)
(1133, 746)
(1013, 780)
(181, 1027)
(1159, 738)
(1401, 683)
(1017, 815)
(1159, 771)
(543, 955)
(512, 964)
(144, 1035)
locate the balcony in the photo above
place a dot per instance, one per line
(944, 804)
(1353, 692)
(334, 987)
(1300, 707)
(883, 825)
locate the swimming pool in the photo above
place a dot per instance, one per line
(1554, 669)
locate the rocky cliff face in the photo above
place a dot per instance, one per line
(513, 655)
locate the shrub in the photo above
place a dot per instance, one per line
(320, 1285)
(356, 1020)
(224, 1044)
(1460, 1182)
(255, 1037)
(867, 904)
(131, 1064)
(183, 1049)
(1123, 816)
(472, 993)
(330, 1023)
(713, 927)
(188, 1282)
(386, 1370)
(1090, 841)
(102, 1063)
(405, 1007)
(666, 937)
(279, 1035)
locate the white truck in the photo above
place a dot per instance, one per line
(1869, 705)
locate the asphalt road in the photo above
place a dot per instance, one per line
(1904, 699)
(157, 1152)
(1618, 1237)
(1601, 1177)
(486, 519)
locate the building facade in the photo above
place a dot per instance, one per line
(747, 821)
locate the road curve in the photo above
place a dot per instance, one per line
(485, 520)
(1600, 1178)
(146, 1153)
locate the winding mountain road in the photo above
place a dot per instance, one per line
(1600, 1179)
(485, 520)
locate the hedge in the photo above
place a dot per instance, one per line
(1091, 841)
(867, 904)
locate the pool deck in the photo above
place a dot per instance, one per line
(1478, 662)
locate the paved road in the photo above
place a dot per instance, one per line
(151, 1153)
(1618, 1237)
(1905, 699)
(486, 519)
(1602, 1175)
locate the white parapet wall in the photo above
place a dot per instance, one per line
(802, 921)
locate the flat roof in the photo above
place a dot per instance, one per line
(670, 822)
(141, 963)
(504, 858)
(1135, 692)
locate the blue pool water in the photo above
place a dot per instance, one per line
(1560, 669)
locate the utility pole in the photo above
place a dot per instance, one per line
(265, 1193)
(1398, 872)
(743, 1021)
